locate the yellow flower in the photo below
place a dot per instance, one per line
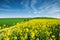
(53, 36)
(48, 33)
(15, 37)
(22, 38)
(37, 39)
(26, 35)
(6, 38)
(44, 27)
(36, 31)
(51, 39)
(32, 34)
(18, 24)
(59, 34)
(9, 32)
(27, 29)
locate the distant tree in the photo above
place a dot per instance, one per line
(26, 19)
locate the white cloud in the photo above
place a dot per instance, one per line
(25, 3)
(33, 2)
(48, 11)
(42, 9)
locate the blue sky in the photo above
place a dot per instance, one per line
(29, 8)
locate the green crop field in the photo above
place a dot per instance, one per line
(6, 22)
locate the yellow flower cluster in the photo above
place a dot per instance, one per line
(38, 29)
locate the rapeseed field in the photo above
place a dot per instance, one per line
(37, 29)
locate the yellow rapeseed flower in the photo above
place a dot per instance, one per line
(6, 38)
(59, 34)
(26, 36)
(48, 33)
(51, 39)
(22, 38)
(32, 34)
(36, 31)
(53, 36)
(15, 37)
(18, 24)
(27, 29)
(44, 27)
(37, 39)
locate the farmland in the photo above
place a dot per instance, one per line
(7, 22)
(32, 29)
